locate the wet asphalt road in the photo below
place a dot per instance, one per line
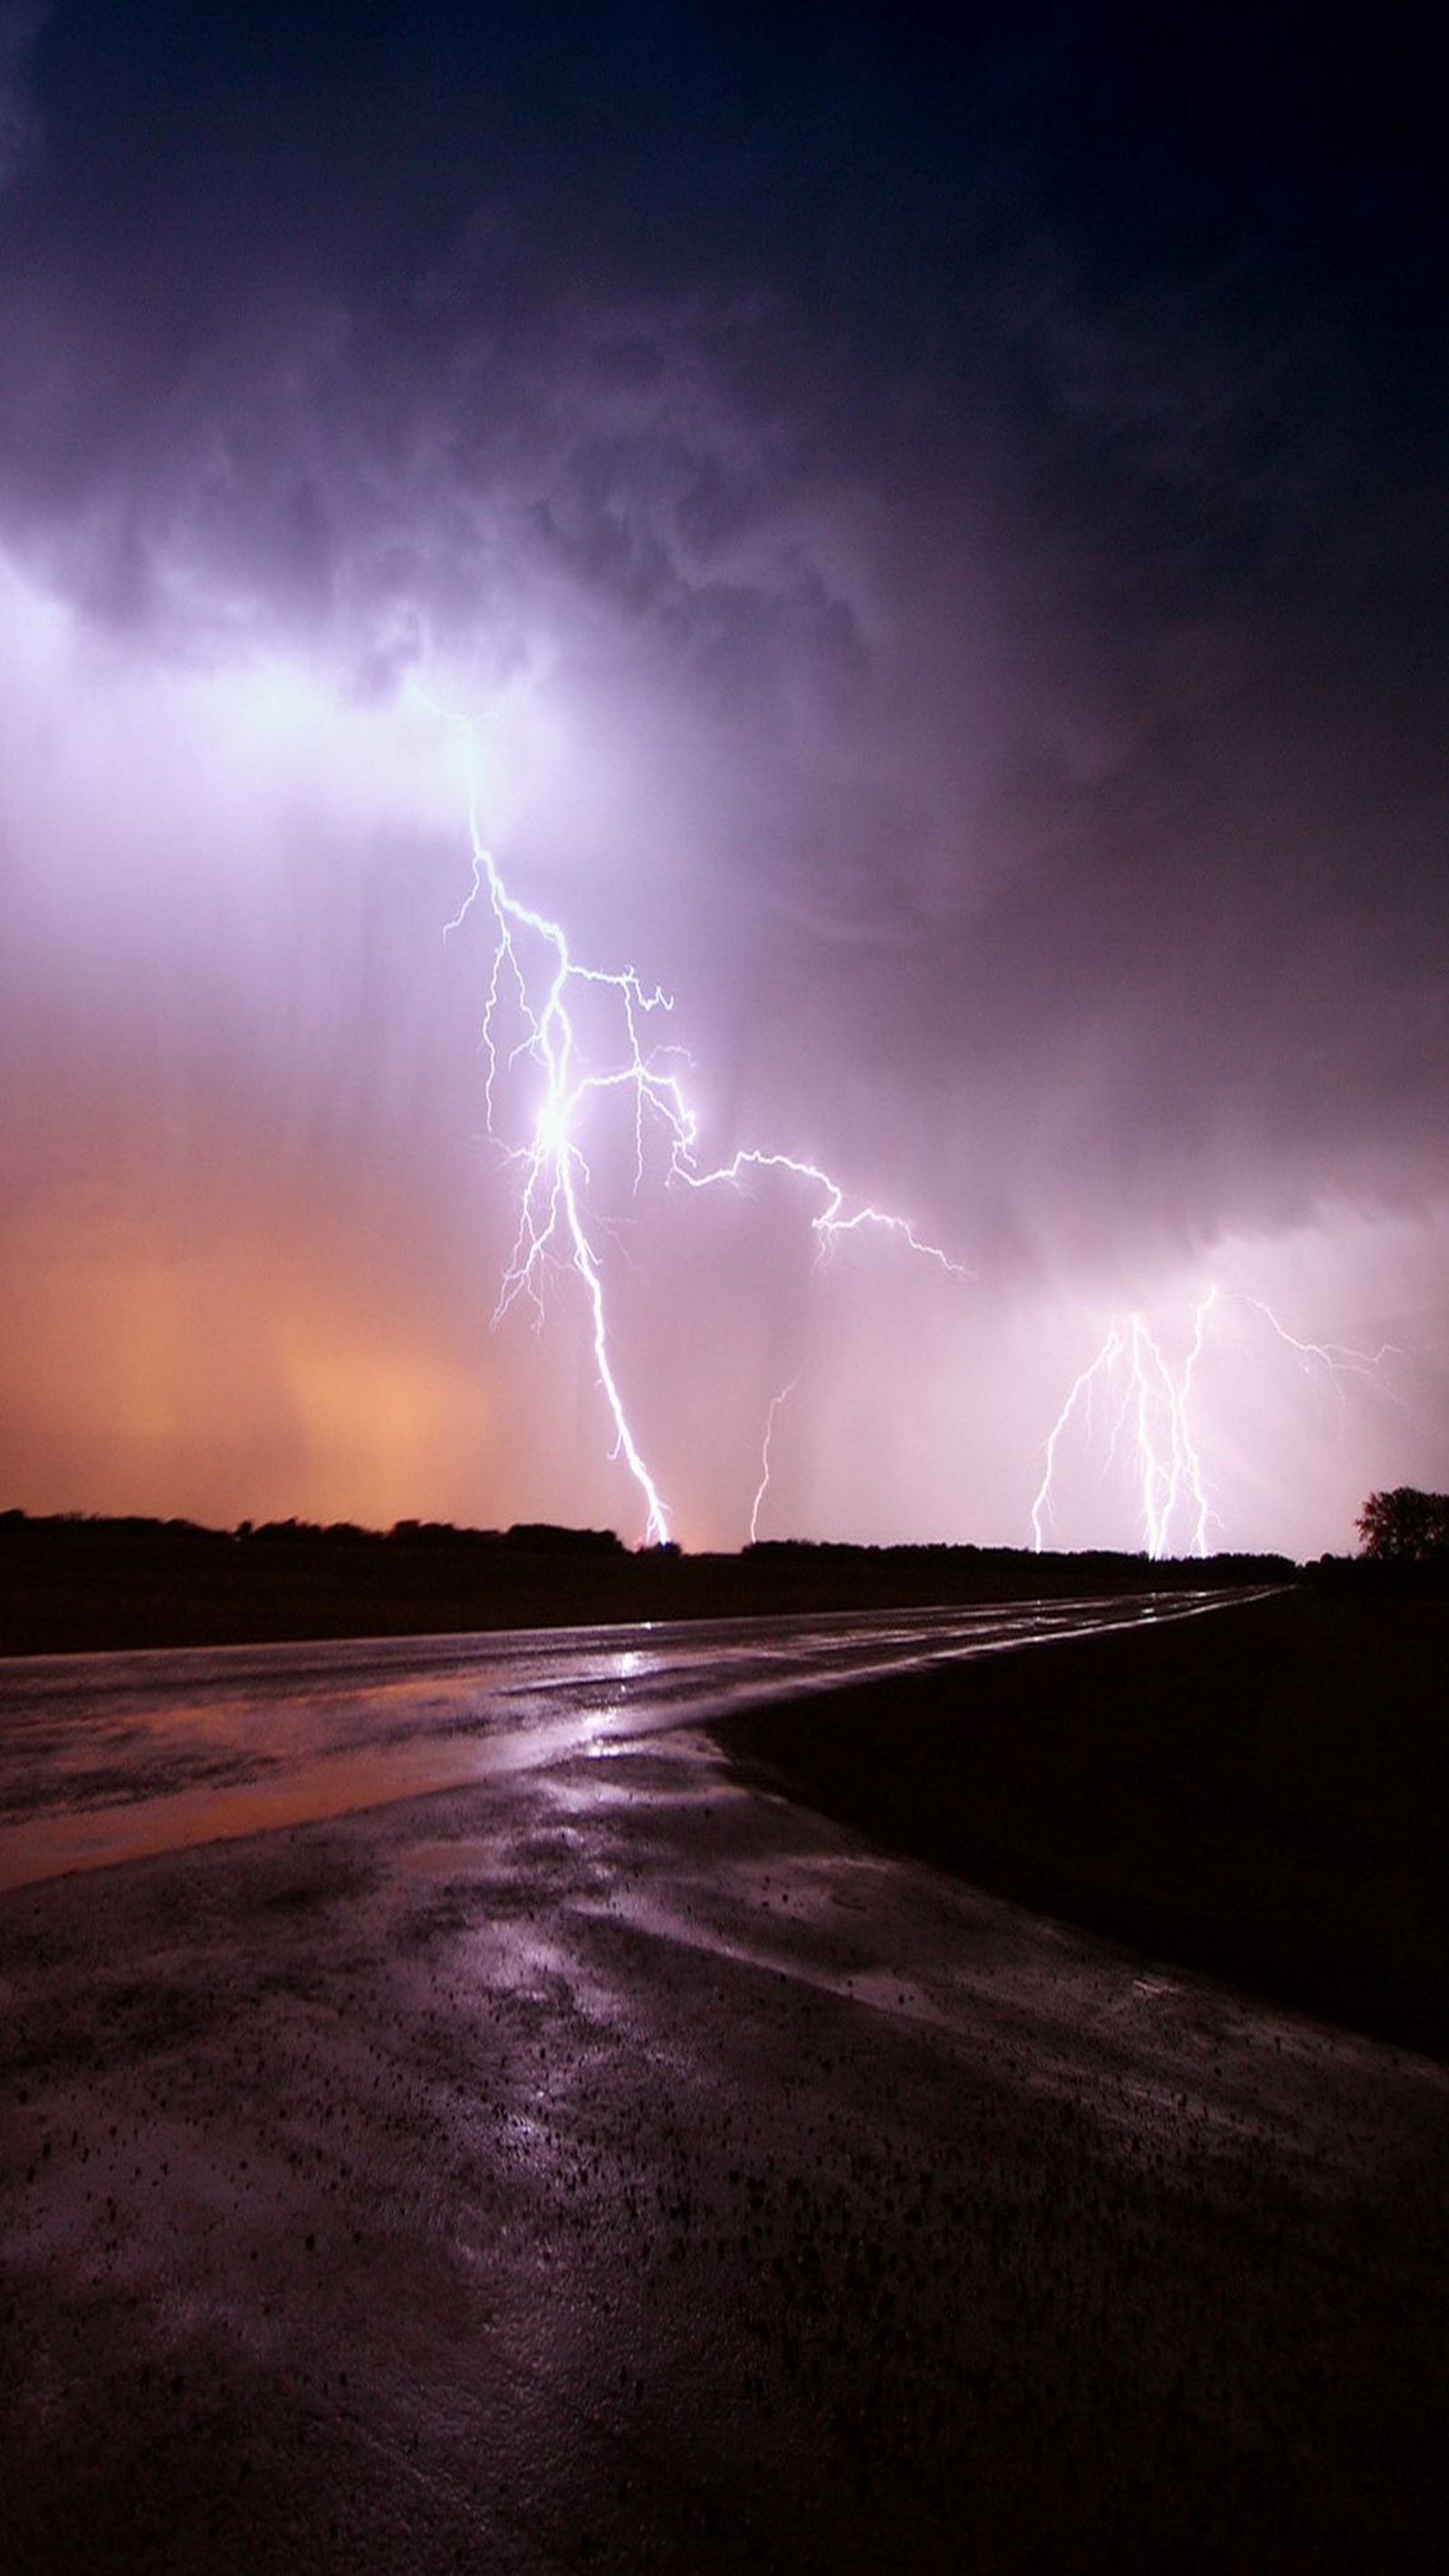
(105, 1758)
(602, 2163)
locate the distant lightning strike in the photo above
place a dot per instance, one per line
(1151, 1398)
(1337, 1359)
(1148, 1393)
(535, 976)
(782, 1397)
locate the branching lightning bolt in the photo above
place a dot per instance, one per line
(1153, 1397)
(836, 1216)
(535, 978)
(1336, 1359)
(1152, 1410)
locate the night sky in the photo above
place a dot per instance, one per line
(928, 532)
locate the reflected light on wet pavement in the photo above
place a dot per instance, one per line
(105, 1758)
(596, 2162)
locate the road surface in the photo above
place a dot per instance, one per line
(600, 2163)
(113, 1757)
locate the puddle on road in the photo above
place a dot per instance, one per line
(340, 1784)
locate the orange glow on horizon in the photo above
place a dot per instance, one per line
(248, 1371)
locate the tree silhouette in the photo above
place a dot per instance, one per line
(1405, 1527)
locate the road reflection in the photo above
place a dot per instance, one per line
(107, 1758)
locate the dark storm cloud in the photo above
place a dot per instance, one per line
(233, 363)
(282, 276)
(979, 476)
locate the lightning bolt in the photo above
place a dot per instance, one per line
(539, 999)
(835, 1217)
(1080, 1392)
(782, 1397)
(1336, 1359)
(1151, 1398)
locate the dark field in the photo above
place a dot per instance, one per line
(626, 2165)
(1263, 1793)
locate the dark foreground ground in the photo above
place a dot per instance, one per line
(626, 2165)
(1263, 1793)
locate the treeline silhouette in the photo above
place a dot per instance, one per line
(1405, 1527)
(1405, 1551)
(529, 1535)
(72, 1582)
(550, 1537)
